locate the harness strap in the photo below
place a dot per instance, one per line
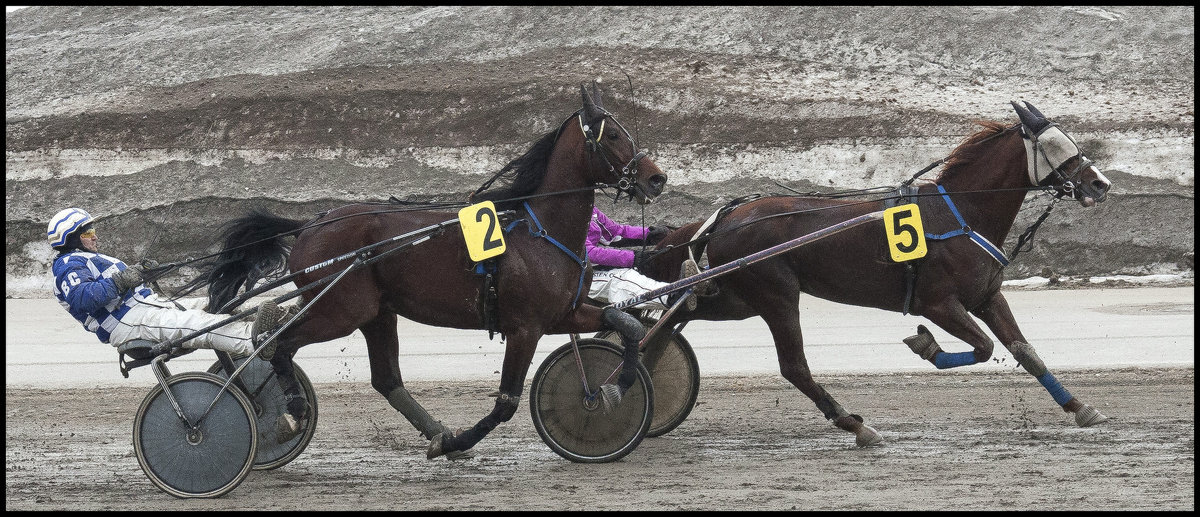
(488, 302)
(708, 226)
(541, 232)
(966, 230)
(906, 193)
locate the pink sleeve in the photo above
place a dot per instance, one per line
(610, 256)
(623, 230)
(596, 252)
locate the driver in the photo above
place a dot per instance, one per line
(615, 276)
(109, 299)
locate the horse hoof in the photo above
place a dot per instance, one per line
(610, 395)
(435, 447)
(1087, 416)
(286, 428)
(867, 437)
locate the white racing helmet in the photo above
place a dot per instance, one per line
(64, 223)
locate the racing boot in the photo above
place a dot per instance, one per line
(270, 318)
(690, 268)
(923, 344)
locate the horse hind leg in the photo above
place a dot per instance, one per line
(457, 443)
(383, 349)
(400, 399)
(289, 424)
(789, 346)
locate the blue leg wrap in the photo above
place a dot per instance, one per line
(1060, 394)
(945, 360)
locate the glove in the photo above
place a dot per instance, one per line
(640, 258)
(655, 234)
(128, 278)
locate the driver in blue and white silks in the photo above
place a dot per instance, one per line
(615, 277)
(109, 299)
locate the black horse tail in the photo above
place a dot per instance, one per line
(253, 247)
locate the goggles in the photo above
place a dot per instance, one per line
(90, 234)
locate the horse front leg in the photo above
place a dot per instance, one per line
(998, 317)
(517, 356)
(952, 317)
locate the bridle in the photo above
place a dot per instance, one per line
(627, 177)
(1050, 149)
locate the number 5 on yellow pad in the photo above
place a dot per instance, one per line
(905, 235)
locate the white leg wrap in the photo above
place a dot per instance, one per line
(1028, 358)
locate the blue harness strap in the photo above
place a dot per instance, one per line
(541, 232)
(966, 230)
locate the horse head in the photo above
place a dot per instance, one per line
(615, 152)
(1055, 159)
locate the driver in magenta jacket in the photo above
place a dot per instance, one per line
(615, 276)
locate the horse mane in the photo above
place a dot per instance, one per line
(968, 151)
(521, 176)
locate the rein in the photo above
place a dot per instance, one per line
(626, 181)
(711, 235)
(1025, 238)
(153, 274)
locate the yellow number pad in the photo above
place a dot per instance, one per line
(481, 229)
(905, 235)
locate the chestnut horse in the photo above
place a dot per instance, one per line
(972, 204)
(540, 277)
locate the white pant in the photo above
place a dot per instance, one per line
(617, 285)
(158, 320)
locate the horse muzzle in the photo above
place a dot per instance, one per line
(649, 190)
(645, 190)
(1093, 188)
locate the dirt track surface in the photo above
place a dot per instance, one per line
(954, 441)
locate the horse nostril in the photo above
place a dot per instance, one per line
(658, 181)
(1101, 185)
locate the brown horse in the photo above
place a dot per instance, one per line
(539, 279)
(982, 187)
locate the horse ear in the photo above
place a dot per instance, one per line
(596, 98)
(1034, 110)
(1030, 120)
(591, 103)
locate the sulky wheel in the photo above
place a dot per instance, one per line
(269, 401)
(675, 373)
(577, 424)
(207, 460)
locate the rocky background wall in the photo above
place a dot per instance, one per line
(165, 122)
